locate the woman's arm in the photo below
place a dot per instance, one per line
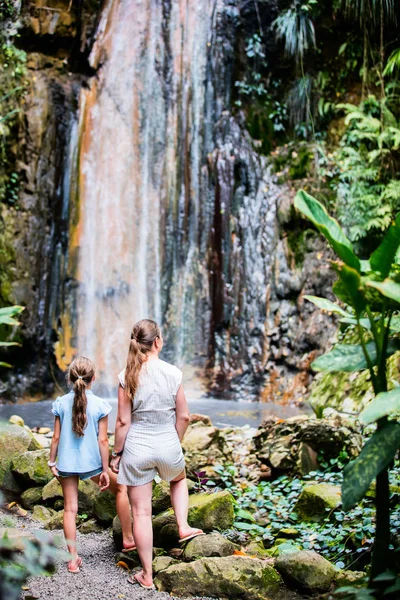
(102, 438)
(122, 425)
(54, 444)
(182, 413)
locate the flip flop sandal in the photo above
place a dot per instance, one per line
(134, 579)
(129, 549)
(191, 536)
(78, 564)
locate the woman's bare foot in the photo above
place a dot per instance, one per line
(145, 581)
(74, 564)
(128, 543)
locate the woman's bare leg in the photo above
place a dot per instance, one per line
(123, 507)
(70, 492)
(180, 503)
(140, 498)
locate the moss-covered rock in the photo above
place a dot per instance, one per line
(228, 577)
(31, 468)
(14, 440)
(16, 420)
(90, 526)
(316, 499)
(52, 491)
(256, 549)
(56, 521)
(130, 559)
(289, 533)
(161, 499)
(353, 578)
(306, 570)
(31, 497)
(163, 562)
(206, 511)
(213, 544)
(104, 508)
(42, 513)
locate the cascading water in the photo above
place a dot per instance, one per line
(140, 130)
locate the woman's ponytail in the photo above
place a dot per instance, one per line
(142, 337)
(80, 375)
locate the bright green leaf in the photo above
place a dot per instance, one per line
(9, 344)
(10, 311)
(382, 405)
(365, 323)
(350, 357)
(381, 260)
(329, 227)
(351, 286)
(3, 364)
(388, 288)
(325, 304)
(245, 514)
(376, 455)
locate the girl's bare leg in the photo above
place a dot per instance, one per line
(180, 504)
(140, 498)
(70, 491)
(123, 508)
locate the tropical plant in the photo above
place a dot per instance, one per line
(295, 28)
(368, 158)
(393, 64)
(369, 291)
(7, 315)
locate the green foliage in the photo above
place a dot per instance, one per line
(393, 64)
(368, 158)
(295, 28)
(7, 315)
(372, 293)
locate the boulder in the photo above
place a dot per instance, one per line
(213, 544)
(130, 559)
(353, 578)
(42, 513)
(206, 511)
(16, 420)
(161, 499)
(90, 526)
(315, 500)
(31, 497)
(14, 440)
(292, 445)
(306, 570)
(117, 532)
(52, 491)
(56, 521)
(256, 549)
(203, 445)
(104, 508)
(163, 562)
(31, 468)
(228, 577)
(289, 533)
(202, 420)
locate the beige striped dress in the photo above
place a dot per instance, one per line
(152, 445)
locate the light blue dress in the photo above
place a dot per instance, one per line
(79, 454)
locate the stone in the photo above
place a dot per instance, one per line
(292, 445)
(131, 559)
(198, 439)
(59, 504)
(315, 500)
(206, 511)
(42, 513)
(353, 578)
(227, 577)
(44, 430)
(16, 420)
(31, 497)
(90, 526)
(256, 549)
(204, 445)
(163, 562)
(31, 468)
(306, 570)
(52, 491)
(56, 521)
(14, 440)
(202, 420)
(117, 532)
(212, 544)
(17, 537)
(104, 508)
(288, 533)
(161, 499)
(87, 494)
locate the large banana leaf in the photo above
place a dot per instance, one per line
(388, 288)
(325, 304)
(381, 260)
(350, 357)
(382, 405)
(329, 227)
(376, 455)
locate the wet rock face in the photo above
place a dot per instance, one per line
(286, 446)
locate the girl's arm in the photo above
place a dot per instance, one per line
(182, 413)
(102, 437)
(54, 445)
(122, 425)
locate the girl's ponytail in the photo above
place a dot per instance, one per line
(142, 337)
(80, 375)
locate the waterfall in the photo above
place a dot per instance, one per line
(139, 165)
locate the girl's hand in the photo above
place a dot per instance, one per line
(114, 464)
(104, 481)
(54, 471)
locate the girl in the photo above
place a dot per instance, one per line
(80, 444)
(152, 419)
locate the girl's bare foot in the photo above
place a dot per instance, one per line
(128, 544)
(74, 564)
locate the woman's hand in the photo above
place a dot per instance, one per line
(104, 481)
(54, 471)
(114, 464)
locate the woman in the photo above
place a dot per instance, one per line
(152, 419)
